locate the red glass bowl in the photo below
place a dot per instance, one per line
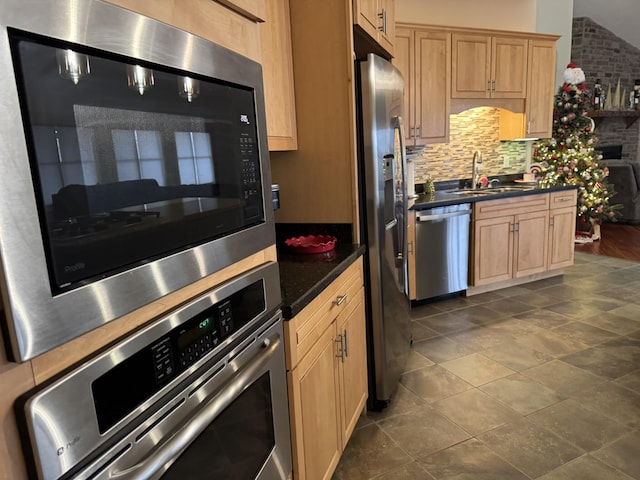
(311, 243)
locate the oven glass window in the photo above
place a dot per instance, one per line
(236, 444)
(131, 161)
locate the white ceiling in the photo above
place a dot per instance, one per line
(618, 16)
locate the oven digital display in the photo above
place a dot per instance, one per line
(203, 328)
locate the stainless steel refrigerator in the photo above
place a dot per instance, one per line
(383, 200)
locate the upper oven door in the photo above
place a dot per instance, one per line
(135, 163)
(131, 160)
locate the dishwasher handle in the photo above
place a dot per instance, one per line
(427, 217)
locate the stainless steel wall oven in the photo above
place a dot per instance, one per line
(198, 394)
(133, 161)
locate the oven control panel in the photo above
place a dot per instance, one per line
(148, 370)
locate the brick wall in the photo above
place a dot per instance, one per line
(601, 54)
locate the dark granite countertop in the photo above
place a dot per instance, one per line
(303, 277)
(442, 198)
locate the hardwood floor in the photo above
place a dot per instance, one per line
(617, 240)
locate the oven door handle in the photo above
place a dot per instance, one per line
(182, 437)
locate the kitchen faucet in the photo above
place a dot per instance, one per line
(477, 168)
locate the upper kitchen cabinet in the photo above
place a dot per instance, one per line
(540, 88)
(487, 66)
(216, 21)
(376, 18)
(277, 69)
(249, 8)
(318, 181)
(423, 56)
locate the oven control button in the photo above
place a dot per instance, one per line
(225, 319)
(162, 360)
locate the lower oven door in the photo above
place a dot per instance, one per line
(230, 423)
(228, 420)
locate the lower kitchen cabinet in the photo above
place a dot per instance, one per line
(510, 238)
(327, 374)
(518, 237)
(562, 225)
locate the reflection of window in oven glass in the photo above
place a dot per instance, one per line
(65, 156)
(138, 155)
(195, 160)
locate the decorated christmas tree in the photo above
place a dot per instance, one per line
(570, 158)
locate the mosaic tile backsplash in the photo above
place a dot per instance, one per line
(471, 130)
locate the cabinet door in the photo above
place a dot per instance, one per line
(530, 243)
(277, 68)
(540, 88)
(387, 32)
(470, 66)
(353, 365)
(508, 67)
(314, 404)
(403, 61)
(493, 250)
(432, 84)
(365, 14)
(562, 226)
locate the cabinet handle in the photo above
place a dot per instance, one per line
(341, 348)
(383, 16)
(346, 344)
(488, 85)
(418, 130)
(551, 221)
(516, 227)
(340, 300)
(529, 127)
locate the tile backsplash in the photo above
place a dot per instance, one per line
(471, 130)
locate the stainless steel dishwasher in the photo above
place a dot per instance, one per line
(442, 250)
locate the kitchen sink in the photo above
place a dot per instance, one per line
(492, 190)
(510, 188)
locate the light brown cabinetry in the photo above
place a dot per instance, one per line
(277, 69)
(377, 19)
(318, 181)
(423, 56)
(485, 66)
(562, 225)
(510, 238)
(522, 237)
(327, 374)
(540, 88)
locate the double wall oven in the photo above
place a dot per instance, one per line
(134, 162)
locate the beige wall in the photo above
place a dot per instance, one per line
(519, 15)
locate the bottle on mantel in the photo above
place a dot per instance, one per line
(596, 99)
(636, 95)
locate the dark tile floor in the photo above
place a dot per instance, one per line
(540, 381)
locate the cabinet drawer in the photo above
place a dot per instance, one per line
(566, 198)
(511, 206)
(303, 330)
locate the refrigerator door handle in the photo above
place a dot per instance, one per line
(391, 224)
